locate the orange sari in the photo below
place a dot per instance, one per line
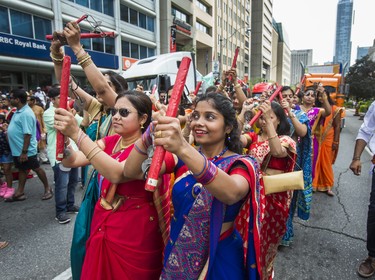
(324, 179)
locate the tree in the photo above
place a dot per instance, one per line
(361, 78)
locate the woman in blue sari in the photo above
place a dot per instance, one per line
(217, 199)
(301, 133)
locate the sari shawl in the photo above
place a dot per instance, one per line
(125, 243)
(301, 198)
(324, 179)
(82, 224)
(276, 206)
(314, 115)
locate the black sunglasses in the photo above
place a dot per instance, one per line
(122, 111)
(309, 93)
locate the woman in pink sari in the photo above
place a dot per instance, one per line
(316, 115)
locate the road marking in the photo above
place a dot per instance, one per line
(66, 275)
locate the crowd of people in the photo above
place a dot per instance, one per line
(210, 217)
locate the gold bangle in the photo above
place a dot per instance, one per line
(97, 152)
(89, 153)
(86, 63)
(56, 59)
(79, 51)
(272, 137)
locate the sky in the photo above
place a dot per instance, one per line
(311, 24)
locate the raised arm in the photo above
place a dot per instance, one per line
(96, 78)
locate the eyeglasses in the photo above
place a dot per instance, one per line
(122, 111)
(309, 93)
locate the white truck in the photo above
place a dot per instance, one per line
(160, 70)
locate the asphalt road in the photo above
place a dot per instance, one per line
(328, 246)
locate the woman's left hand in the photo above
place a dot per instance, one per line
(168, 134)
(266, 109)
(285, 105)
(335, 146)
(66, 123)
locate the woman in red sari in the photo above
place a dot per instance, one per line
(125, 240)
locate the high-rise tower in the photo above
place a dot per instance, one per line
(343, 44)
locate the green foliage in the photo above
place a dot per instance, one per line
(361, 78)
(349, 104)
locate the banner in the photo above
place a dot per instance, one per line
(172, 45)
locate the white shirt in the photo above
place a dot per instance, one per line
(367, 130)
(42, 96)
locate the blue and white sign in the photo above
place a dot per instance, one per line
(18, 46)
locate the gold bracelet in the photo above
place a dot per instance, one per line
(86, 63)
(97, 152)
(272, 137)
(76, 54)
(83, 59)
(56, 59)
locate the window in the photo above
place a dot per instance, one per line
(150, 24)
(134, 53)
(202, 27)
(42, 27)
(124, 13)
(21, 24)
(4, 21)
(202, 6)
(110, 45)
(142, 20)
(137, 18)
(180, 15)
(97, 44)
(133, 17)
(125, 48)
(142, 52)
(102, 6)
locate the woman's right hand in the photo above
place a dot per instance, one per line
(66, 123)
(72, 33)
(266, 109)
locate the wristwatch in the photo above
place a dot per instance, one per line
(24, 151)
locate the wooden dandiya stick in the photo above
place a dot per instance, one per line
(90, 35)
(158, 158)
(259, 113)
(197, 87)
(64, 89)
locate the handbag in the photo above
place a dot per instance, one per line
(282, 182)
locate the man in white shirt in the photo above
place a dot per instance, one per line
(366, 137)
(41, 95)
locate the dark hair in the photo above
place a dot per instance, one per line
(320, 104)
(225, 106)
(141, 102)
(53, 92)
(284, 127)
(117, 80)
(211, 89)
(20, 94)
(285, 88)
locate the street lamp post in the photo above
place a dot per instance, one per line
(248, 29)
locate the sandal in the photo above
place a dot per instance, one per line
(330, 193)
(20, 197)
(47, 195)
(3, 244)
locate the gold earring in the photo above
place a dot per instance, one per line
(142, 127)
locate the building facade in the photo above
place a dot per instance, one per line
(299, 60)
(343, 44)
(24, 50)
(261, 39)
(188, 26)
(281, 62)
(362, 51)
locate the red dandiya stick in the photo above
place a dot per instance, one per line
(64, 88)
(300, 84)
(154, 89)
(272, 97)
(234, 62)
(197, 87)
(85, 16)
(90, 35)
(158, 158)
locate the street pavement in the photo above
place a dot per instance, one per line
(328, 246)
